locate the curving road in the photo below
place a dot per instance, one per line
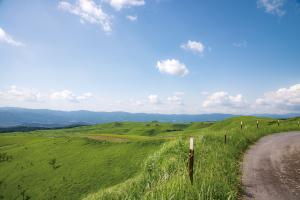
(271, 168)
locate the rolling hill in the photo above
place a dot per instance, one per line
(130, 160)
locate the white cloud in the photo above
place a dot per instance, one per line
(240, 44)
(272, 6)
(67, 95)
(84, 96)
(20, 94)
(194, 46)
(154, 99)
(222, 101)
(175, 99)
(281, 100)
(4, 37)
(132, 17)
(119, 4)
(172, 66)
(68, 100)
(63, 95)
(88, 11)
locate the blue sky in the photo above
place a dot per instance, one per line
(159, 56)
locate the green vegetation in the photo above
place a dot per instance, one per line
(47, 165)
(129, 160)
(216, 176)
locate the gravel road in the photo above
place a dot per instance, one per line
(271, 168)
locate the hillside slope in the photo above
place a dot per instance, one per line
(216, 167)
(130, 160)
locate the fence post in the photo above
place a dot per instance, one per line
(298, 123)
(191, 159)
(225, 138)
(241, 125)
(257, 124)
(278, 122)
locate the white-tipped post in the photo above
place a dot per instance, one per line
(191, 143)
(191, 159)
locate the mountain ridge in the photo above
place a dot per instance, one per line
(14, 116)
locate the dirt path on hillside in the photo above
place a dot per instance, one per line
(271, 168)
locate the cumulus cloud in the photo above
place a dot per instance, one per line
(175, 99)
(172, 67)
(154, 99)
(89, 12)
(132, 17)
(6, 38)
(63, 95)
(281, 100)
(222, 101)
(272, 6)
(84, 96)
(120, 4)
(194, 46)
(14, 93)
(67, 95)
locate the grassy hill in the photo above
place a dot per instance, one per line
(129, 160)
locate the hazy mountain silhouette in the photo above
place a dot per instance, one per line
(11, 116)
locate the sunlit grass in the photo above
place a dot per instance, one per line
(130, 160)
(217, 165)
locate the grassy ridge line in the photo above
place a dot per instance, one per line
(217, 165)
(125, 138)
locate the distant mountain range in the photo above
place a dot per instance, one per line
(11, 117)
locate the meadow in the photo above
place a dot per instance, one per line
(130, 160)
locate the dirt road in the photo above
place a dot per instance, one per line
(271, 168)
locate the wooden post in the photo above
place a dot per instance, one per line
(191, 159)
(257, 124)
(241, 125)
(278, 122)
(298, 123)
(225, 138)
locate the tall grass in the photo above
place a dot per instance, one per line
(130, 160)
(217, 165)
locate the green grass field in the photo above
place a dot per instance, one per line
(129, 160)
